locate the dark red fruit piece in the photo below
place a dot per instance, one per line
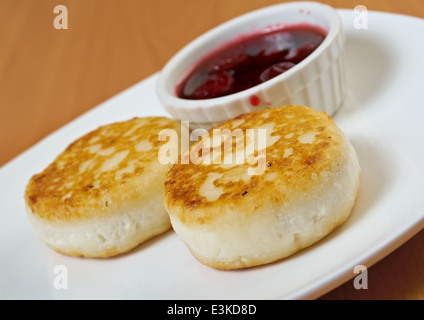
(270, 44)
(234, 59)
(275, 70)
(301, 52)
(215, 85)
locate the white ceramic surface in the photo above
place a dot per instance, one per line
(382, 117)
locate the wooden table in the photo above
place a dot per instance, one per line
(48, 77)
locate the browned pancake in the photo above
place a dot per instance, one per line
(262, 199)
(115, 163)
(300, 144)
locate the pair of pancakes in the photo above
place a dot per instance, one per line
(250, 191)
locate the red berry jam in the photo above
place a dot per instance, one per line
(250, 60)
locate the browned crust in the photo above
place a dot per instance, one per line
(77, 185)
(283, 177)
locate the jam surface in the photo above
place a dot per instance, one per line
(249, 61)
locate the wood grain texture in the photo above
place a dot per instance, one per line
(48, 77)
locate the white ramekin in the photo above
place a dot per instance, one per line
(318, 81)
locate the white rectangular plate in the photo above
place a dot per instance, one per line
(383, 117)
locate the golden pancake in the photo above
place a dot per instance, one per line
(297, 183)
(103, 195)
